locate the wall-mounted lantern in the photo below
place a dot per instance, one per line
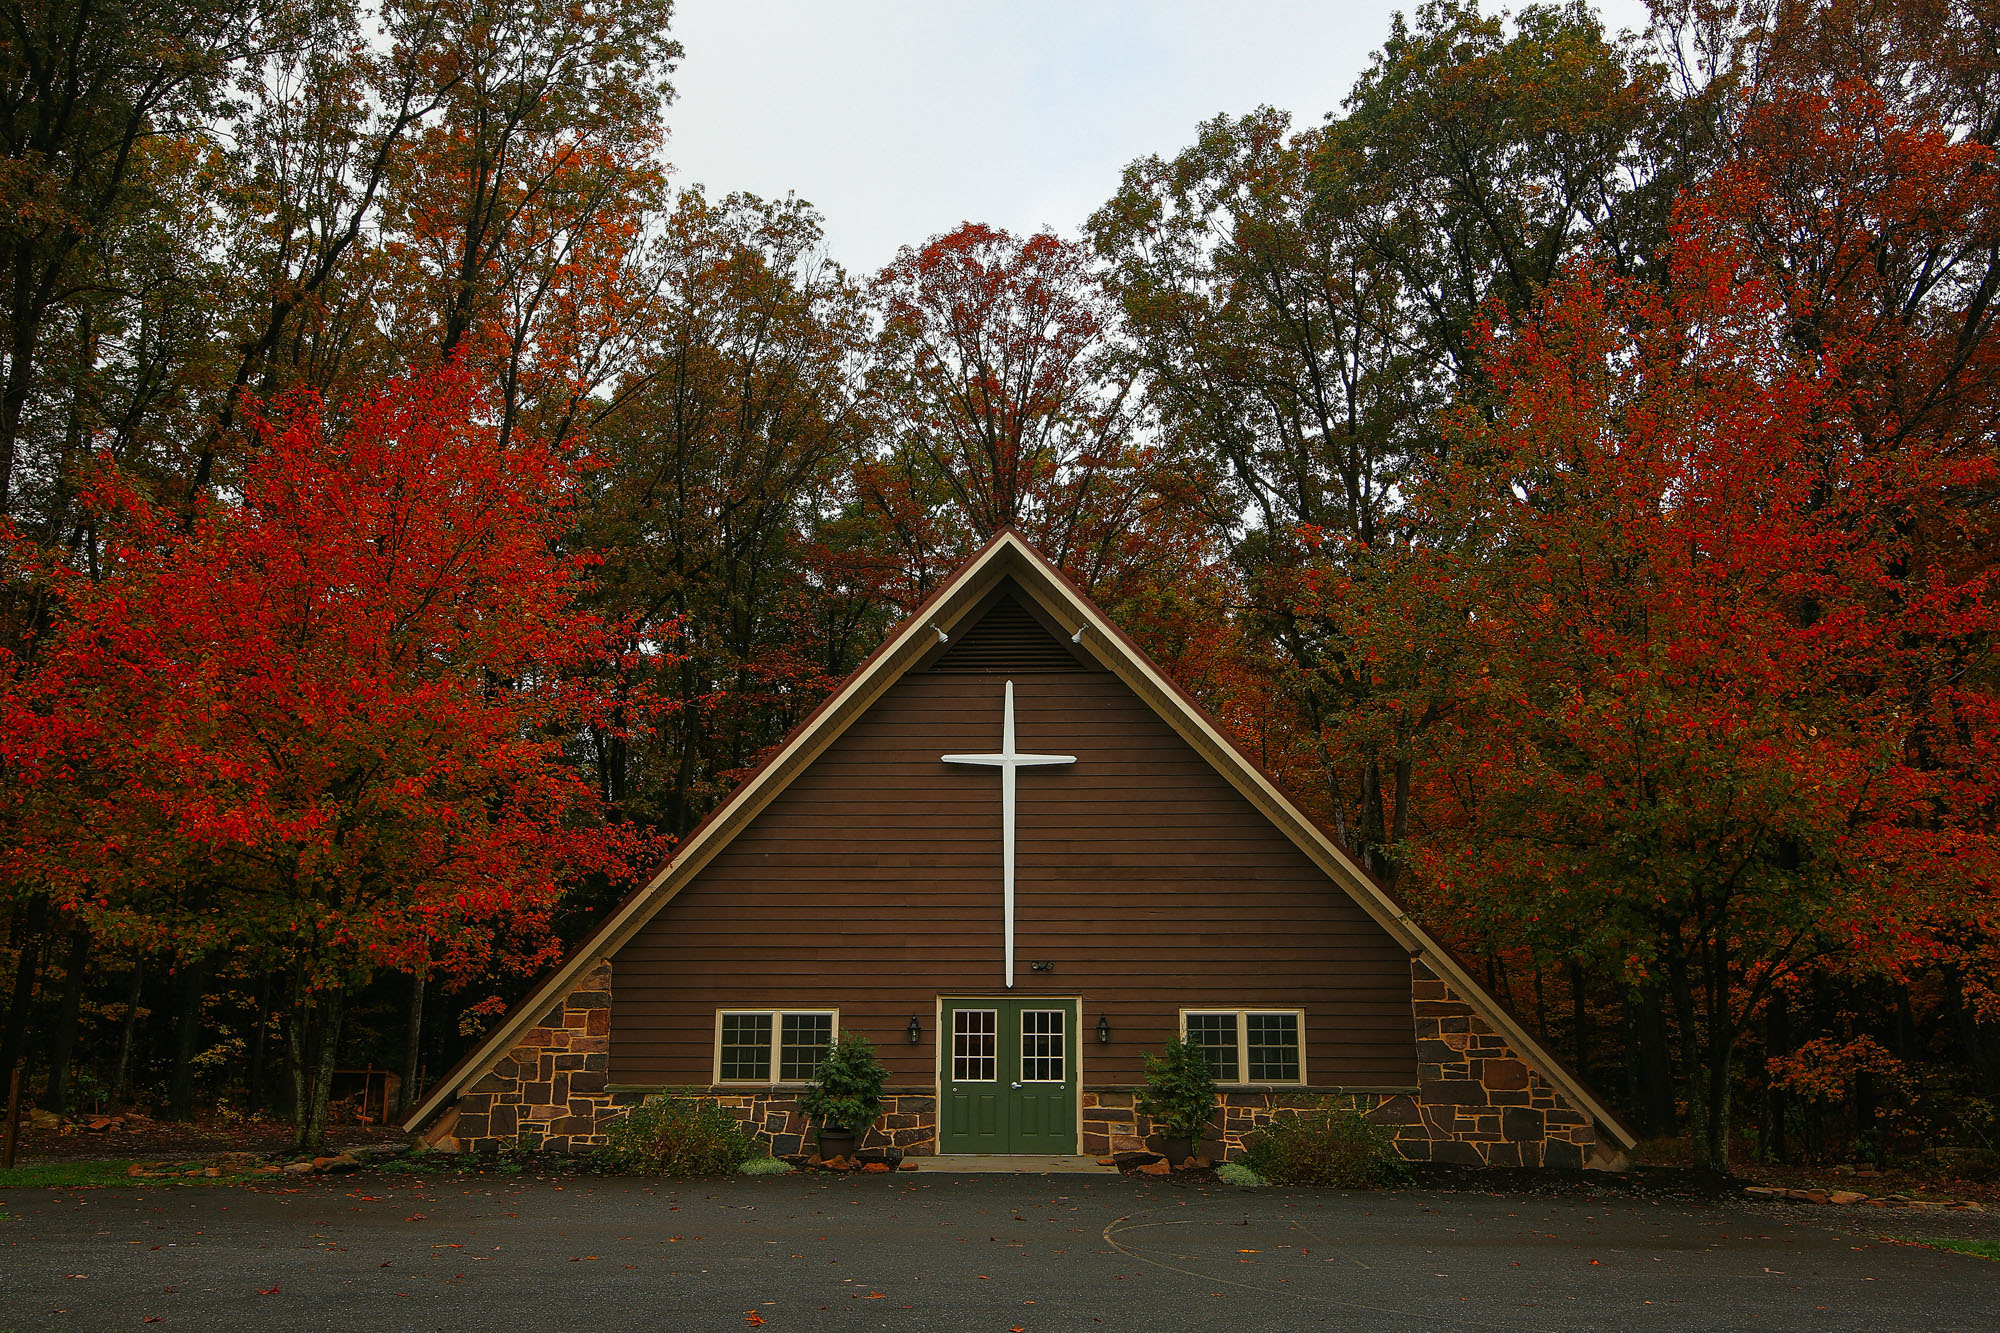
(1103, 1030)
(916, 1030)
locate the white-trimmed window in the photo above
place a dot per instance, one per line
(771, 1046)
(1249, 1046)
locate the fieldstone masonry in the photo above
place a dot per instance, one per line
(1476, 1103)
(553, 1090)
(908, 1121)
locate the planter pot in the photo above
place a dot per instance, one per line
(1178, 1150)
(836, 1143)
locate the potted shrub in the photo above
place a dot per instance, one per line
(1180, 1096)
(845, 1095)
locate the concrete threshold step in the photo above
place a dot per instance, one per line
(1021, 1164)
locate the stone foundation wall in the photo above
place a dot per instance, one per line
(908, 1121)
(552, 1091)
(1477, 1103)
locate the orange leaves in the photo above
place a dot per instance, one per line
(1006, 405)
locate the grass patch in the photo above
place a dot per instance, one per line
(1984, 1249)
(425, 1161)
(65, 1175)
(91, 1175)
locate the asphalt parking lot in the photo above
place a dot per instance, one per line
(923, 1252)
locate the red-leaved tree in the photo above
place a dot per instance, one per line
(1721, 557)
(322, 728)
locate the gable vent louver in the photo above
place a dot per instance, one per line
(1007, 638)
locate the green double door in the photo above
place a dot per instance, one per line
(1009, 1076)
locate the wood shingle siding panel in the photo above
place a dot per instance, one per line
(872, 884)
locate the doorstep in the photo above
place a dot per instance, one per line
(1015, 1164)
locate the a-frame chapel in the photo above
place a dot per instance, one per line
(1017, 857)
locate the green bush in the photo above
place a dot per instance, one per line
(677, 1136)
(846, 1091)
(1325, 1145)
(764, 1166)
(1239, 1175)
(1180, 1090)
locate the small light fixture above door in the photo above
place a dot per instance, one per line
(1103, 1030)
(916, 1030)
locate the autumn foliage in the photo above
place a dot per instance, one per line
(1569, 465)
(321, 728)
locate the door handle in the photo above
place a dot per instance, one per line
(1017, 1083)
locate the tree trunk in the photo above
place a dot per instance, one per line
(14, 1037)
(190, 991)
(121, 1079)
(413, 1042)
(1720, 1090)
(1372, 830)
(63, 1044)
(1579, 1019)
(1655, 1074)
(1777, 1043)
(1399, 822)
(315, 1039)
(258, 1042)
(1721, 1050)
(1692, 1068)
(21, 350)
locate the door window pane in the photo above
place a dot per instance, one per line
(1215, 1034)
(1042, 1047)
(746, 1048)
(975, 1045)
(803, 1039)
(1274, 1047)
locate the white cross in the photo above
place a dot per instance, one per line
(1007, 761)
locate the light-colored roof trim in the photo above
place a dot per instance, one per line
(1009, 554)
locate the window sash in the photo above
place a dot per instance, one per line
(771, 1047)
(1215, 1033)
(1044, 1045)
(1276, 1057)
(975, 1046)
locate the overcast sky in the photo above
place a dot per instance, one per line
(900, 119)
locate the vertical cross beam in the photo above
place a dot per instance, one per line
(1008, 761)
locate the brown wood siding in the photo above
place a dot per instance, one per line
(872, 885)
